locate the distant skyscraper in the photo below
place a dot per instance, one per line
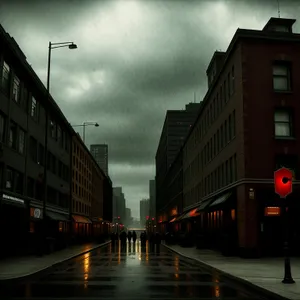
(144, 210)
(100, 153)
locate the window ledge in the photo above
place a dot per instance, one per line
(289, 138)
(283, 92)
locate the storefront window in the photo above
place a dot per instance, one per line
(233, 214)
(60, 227)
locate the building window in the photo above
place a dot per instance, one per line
(235, 172)
(5, 77)
(53, 129)
(2, 128)
(19, 183)
(34, 108)
(222, 137)
(283, 123)
(24, 99)
(16, 89)
(9, 185)
(225, 133)
(41, 155)
(229, 129)
(21, 141)
(232, 80)
(281, 77)
(59, 136)
(12, 142)
(33, 149)
(233, 124)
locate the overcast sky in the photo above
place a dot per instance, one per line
(135, 60)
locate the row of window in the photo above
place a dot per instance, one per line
(81, 208)
(223, 175)
(14, 182)
(225, 91)
(83, 169)
(81, 181)
(54, 165)
(82, 192)
(16, 135)
(21, 96)
(221, 138)
(213, 147)
(83, 158)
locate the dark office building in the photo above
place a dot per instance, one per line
(175, 129)
(100, 153)
(23, 106)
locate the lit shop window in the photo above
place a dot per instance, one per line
(272, 211)
(233, 214)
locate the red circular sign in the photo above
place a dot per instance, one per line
(283, 182)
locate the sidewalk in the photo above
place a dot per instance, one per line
(20, 267)
(266, 273)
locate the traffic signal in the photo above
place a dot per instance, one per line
(283, 182)
(147, 217)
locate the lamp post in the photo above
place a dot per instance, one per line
(84, 124)
(51, 46)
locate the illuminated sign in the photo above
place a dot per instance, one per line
(12, 199)
(36, 213)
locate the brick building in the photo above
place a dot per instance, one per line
(89, 194)
(247, 127)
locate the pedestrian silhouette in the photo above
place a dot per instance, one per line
(134, 236)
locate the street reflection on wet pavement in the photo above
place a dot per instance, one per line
(129, 273)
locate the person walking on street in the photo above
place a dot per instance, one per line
(123, 237)
(129, 235)
(157, 242)
(134, 236)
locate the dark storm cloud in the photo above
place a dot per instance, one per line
(135, 60)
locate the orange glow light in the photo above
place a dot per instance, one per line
(272, 211)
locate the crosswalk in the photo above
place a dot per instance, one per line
(129, 273)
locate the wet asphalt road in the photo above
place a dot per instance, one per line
(131, 273)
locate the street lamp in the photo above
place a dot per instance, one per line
(84, 124)
(51, 46)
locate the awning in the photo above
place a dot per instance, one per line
(221, 199)
(191, 214)
(204, 205)
(173, 220)
(57, 216)
(81, 219)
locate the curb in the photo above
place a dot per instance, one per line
(48, 268)
(246, 284)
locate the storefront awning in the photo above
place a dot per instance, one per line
(173, 220)
(57, 216)
(191, 214)
(81, 219)
(221, 199)
(204, 205)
